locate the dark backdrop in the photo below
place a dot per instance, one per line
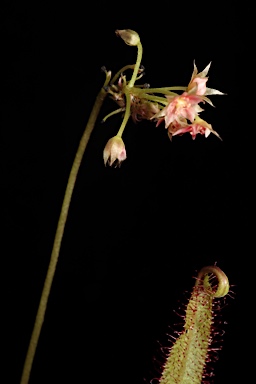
(136, 236)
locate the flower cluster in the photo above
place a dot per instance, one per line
(179, 112)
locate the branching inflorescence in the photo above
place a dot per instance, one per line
(179, 112)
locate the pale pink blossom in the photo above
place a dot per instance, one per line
(197, 84)
(199, 126)
(114, 151)
(180, 107)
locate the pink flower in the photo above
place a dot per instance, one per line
(199, 126)
(114, 151)
(197, 84)
(180, 107)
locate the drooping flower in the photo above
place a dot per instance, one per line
(179, 109)
(114, 151)
(197, 84)
(199, 126)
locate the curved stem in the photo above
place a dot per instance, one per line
(59, 235)
(127, 112)
(137, 66)
(112, 113)
(129, 66)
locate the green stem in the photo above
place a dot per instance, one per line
(112, 114)
(127, 112)
(137, 66)
(157, 99)
(164, 90)
(130, 66)
(59, 235)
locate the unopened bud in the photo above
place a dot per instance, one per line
(129, 36)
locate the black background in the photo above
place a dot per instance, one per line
(136, 236)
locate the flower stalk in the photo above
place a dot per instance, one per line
(59, 233)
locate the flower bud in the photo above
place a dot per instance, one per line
(129, 36)
(114, 151)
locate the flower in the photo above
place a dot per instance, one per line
(114, 151)
(198, 126)
(179, 108)
(197, 84)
